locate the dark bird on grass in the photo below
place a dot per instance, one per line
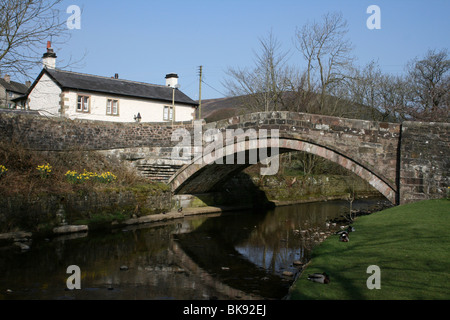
(319, 277)
(344, 237)
(346, 230)
(180, 209)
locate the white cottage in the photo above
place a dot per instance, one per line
(74, 95)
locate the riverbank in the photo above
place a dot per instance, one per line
(409, 244)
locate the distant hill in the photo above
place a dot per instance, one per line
(223, 108)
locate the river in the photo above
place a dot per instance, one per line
(235, 255)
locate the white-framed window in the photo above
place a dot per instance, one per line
(112, 107)
(168, 113)
(83, 103)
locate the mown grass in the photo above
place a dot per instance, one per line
(409, 243)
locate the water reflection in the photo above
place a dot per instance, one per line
(240, 255)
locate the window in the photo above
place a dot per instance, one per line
(112, 107)
(83, 104)
(168, 113)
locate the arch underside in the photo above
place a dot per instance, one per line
(206, 176)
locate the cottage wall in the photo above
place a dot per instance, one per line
(45, 97)
(150, 111)
(3, 99)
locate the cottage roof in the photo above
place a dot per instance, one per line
(92, 83)
(13, 86)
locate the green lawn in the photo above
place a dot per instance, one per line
(409, 243)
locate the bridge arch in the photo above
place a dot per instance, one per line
(209, 173)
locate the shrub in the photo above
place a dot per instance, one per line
(3, 170)
(75, 177)
(106, 177)
(44, 170)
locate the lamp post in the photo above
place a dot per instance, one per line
(173, 102)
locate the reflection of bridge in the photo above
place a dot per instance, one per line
(207, 279)
(210, 251)
(207, 255)
(405, 162)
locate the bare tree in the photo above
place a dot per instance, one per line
(393, 91)
(429, 79)
(25, 26)
(327, 53)
(263, 85)
(422, 94)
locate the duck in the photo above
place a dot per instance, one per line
(319, 277)
(344, 237)
(180, 209)
(346, 230)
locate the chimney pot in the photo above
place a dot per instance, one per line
(49, 58)
(171, 79)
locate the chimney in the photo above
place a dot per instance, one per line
(49, 58)
(171, 80)
(7, 78)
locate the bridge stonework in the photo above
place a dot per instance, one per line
(405, 162)
(425, 161)
(368, 149)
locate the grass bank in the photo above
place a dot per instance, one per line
(88, 187)
(409, 243)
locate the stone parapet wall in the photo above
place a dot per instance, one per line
(60, 134)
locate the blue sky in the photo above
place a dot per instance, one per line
(144, 40)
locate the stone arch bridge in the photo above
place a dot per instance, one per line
(405, 162)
